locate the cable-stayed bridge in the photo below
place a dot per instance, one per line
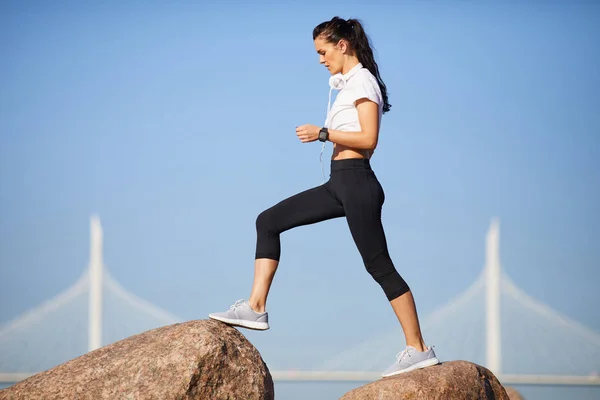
(492, 323)
(94, 312)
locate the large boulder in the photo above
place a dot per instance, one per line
(201, 359)
(446, 381)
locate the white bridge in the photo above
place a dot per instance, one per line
(492, 323)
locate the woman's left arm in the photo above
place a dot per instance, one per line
(366, 138)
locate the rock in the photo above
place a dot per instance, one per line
(201, 359)
(446, 381)
(513, 394)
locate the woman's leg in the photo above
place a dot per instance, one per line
(264, 272)
(367, 230)
(363, 203)
(406, 312)
(308, 207)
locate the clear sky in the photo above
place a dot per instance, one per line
(176, 125)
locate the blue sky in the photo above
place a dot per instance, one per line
(176, 125)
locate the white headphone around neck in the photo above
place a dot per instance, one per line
(337, 82)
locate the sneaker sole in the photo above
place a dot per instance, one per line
(423, 364)
(257, 326)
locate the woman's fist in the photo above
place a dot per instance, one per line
(307, 133)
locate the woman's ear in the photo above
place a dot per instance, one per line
(344, 46)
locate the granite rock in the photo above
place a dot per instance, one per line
(451, 380)
(201, 359)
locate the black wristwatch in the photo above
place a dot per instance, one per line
(324, 134)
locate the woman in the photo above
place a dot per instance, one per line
(353, 191)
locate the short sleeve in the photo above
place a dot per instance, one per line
(366, 88)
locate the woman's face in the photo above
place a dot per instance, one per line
(330, 55)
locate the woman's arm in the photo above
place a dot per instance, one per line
(366, 138)
(368, 117)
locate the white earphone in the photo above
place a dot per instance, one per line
(336, 82)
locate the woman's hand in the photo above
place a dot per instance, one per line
(307, 133)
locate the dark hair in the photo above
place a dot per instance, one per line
(338, 28)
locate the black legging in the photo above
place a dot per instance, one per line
(352, 191)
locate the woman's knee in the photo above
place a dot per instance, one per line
(383, 271)
(265, 221)
(267, 243)
(379, 265)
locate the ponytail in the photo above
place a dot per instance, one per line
(352, 30)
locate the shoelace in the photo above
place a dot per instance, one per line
(401, 355)
(237, 304)
(405, 352)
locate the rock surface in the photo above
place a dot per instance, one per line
(447, 381)
(201, 359)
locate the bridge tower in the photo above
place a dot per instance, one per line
(492, 283)
(96, 274)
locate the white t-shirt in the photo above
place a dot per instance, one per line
(355, 84)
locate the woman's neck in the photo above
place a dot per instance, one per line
(350, 63)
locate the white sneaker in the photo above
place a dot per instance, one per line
(410, 359)
(241, 314)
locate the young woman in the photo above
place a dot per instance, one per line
(353, 191)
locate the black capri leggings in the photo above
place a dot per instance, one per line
(352, 191)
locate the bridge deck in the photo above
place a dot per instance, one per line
(348, 376)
